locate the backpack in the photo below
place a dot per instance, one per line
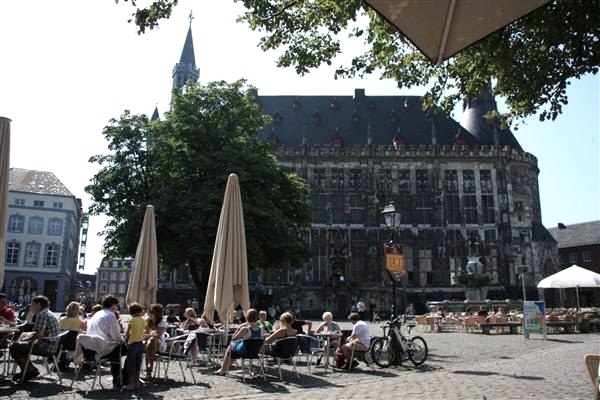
(338, 358)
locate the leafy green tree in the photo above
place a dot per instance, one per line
(530, 62)
(181, 165)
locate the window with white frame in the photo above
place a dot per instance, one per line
(13, 249)
(122, 288)
(573, 257)
(32, 254)
(112, 288)
(36, 225)
(587, 256)
(103, 275)
(103, 288)
(113, 276)
(38, 203)
(123, 275)
(52, 253)
(55, 226)
(57, 204)
(15, 223)
(19, 202)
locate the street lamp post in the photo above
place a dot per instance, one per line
(392, 220)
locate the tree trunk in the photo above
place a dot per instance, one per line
(200, 277)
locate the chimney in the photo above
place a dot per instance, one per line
(561, 226)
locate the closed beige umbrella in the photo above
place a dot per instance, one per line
(228, 281)
(4, 174)
(144, 280)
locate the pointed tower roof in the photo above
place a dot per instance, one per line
(155, 115)
(185, 70)
(474, 122)
(187, 54)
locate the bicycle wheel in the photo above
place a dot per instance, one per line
(417, 351)
(382, 352)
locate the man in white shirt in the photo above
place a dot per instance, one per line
(104, 325)
(359, 340)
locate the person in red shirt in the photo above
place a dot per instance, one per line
(7, 317)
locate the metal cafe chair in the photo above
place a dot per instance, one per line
(284, 350)
(308, 347)
(90, 362)
(46, 356)
(253, 348)
(178, 349)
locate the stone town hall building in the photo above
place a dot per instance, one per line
(461, 188)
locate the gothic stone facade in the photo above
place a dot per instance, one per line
(449, 185)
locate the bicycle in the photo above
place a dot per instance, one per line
(396, 345)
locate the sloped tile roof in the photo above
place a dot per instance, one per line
(583, 234)
(42, 182)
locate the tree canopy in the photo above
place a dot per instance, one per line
(530, 61)
(181, 164)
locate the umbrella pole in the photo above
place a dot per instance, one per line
(577, 293)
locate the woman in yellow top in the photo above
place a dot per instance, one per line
(135, 346)
(72, 320)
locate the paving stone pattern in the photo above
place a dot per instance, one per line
(459, 366)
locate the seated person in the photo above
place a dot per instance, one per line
(71, 321)
(172, 317)
(266, 325)
(284, 329)
(46, 324)
(298, 325)
(95, 308)
(7, 316)
(192, 321)
(154, 333)
(359, 340)
(328, 326)
(246, 330)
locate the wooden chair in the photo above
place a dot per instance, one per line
(592, 361)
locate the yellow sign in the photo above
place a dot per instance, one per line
(394, 262)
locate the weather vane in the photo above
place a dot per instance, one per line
(191, 17)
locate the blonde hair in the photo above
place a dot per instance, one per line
(327, 315)
(190, 313)
(73, 309)
(286, 317)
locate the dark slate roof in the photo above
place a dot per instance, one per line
(472, 120)
(583, 234)
(187, 54)
(155, 115)
(348, 118)
(42, 182)
(541, 234)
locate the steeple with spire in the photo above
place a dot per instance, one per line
(185, 69)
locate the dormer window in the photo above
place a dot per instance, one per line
(296, 105)
(316, 118)
(355, 118)
(277, 119)
(334, 105)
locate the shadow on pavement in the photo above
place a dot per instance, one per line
(565, 340)
(488, 373)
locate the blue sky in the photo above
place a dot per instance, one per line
(70, 66)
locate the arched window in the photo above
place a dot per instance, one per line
(36, 225)
(55, 226)
(52, 254)
(32, 254)
(22, 289)
(15, 223)
(13, 248)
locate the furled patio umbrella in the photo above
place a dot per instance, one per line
(144, 280)
(572, 277)
(228, 281)
(4, 174)
(442, 28)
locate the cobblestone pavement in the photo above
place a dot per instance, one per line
(459, 366)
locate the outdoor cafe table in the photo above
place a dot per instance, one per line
(327, 336)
